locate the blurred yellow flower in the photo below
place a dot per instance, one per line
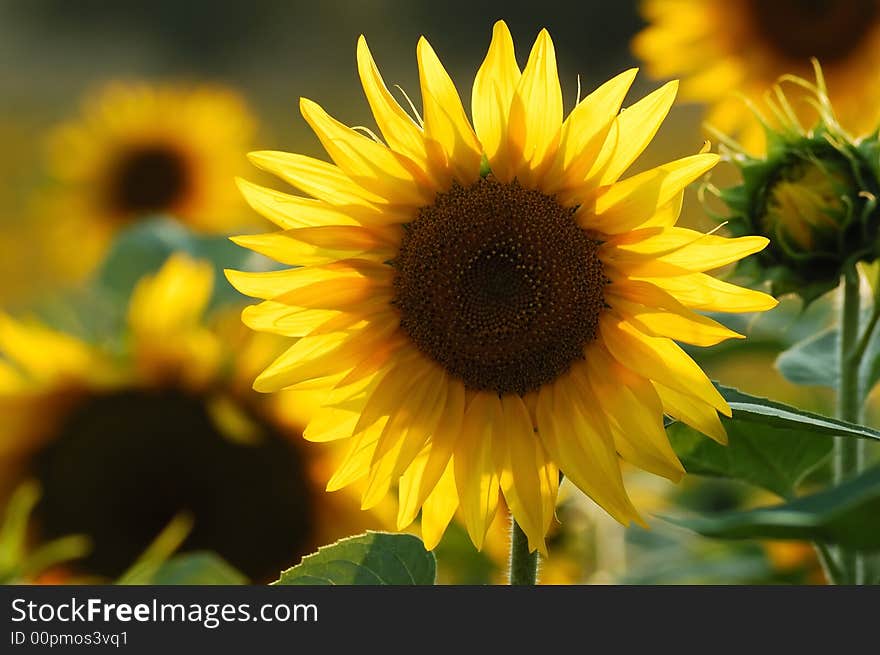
(789, 557)
(122, 437)
(138, 150)
(486, 308)
(722, 48)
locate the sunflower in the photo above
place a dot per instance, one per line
(725, 47)
(814, 194)
(486, 308)
(138, 150)
(122, 439)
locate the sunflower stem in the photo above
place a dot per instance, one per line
(523, 563)
(849, 454)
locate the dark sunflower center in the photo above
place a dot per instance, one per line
(148, 179)
(123, 465)
(499, 285)
(826, 29)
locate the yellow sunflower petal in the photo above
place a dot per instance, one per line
(317, 178)
(398, 128)
(635, 415)
(637, 125)
(665, 249)
(523, 463)
(279, 318)
(376, 360)
(288, 211)
(706, 293)
(584, 132)
(352, 294)
(366, 162)
(439, 508)
(420, 479)
(330, 424)
(43, 354)
(321, 355)
(318, 245)
(577, 438)
(452, 143)
(627, 205)
(356, 462)
(658, 359)
(493, 91)
(659, 314)
(352, 276)
(692, 411)
(180, 291)
(414, 421)
(476, 477)
(390, 391)
(666, 215)
(536, 112)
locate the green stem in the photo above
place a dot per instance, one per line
(828, 560)
(849, 454)
(865, 339)
(523, 564)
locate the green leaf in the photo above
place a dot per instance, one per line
(813, 361)
(374, 558)
(772, 445)
(845, 515)
(772, 458)
(754, 409)
(144, 247)
(198, 568)
(141, 249)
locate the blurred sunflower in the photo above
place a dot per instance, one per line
(122, 442)
(486, 309)
(795, 558)
(721, 47)
(138, 150)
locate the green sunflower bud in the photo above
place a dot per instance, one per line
(814, 195)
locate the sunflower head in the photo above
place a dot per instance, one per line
(485, 304)
(813, 195)
(137, 150)
(127, 432)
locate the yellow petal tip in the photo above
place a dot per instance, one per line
(260, 158)
(307, 107)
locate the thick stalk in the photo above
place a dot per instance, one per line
(849, 454)
(523, 564)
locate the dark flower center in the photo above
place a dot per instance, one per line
(829, 30)
(124, 464)
(148, 179)
(499, 285)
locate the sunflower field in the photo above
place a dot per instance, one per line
(413, 293)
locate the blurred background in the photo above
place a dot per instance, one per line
(94, 92)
